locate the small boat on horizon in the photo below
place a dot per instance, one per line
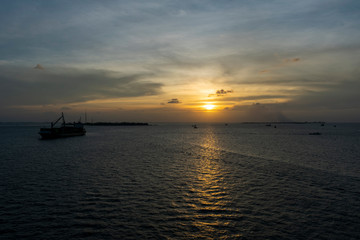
(315, 133)
(65, 130)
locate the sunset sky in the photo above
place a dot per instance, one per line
(180, 61)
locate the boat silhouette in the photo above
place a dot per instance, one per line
(64, 130)
(315, 133)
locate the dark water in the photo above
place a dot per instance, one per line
(175, 182)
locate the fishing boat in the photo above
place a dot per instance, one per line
(64, 130)
(315, 133)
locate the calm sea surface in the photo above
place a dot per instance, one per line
(170, 181)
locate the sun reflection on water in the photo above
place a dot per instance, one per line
(209, 199)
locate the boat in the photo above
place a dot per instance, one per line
(315, 133)
(65, 130)
(194, 126)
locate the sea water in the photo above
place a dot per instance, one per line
(171, 181)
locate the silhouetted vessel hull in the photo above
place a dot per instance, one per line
(61, 132)
(65, 130)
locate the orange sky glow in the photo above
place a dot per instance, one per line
(225, 62)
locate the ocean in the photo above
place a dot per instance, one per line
(171, 181)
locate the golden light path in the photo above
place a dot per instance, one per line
(209, 197)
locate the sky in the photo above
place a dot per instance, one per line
(180, 61)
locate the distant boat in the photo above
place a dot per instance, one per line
(194, 126)
(314, 133)
(65, 130)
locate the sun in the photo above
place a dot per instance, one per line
(209, 106)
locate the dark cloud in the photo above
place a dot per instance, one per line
(174, 100)
(39, 66)
(292, 60)
(22, 86)
(221, 92)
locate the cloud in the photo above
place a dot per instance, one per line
(343, 96)
(261, 113)
(317, 68)
(338, 102)
(22, 86)
(174, 100)
(38, 66)
(242, 64)
(281, 65)
(253, 47)
(221, 92)
(292, 60)
(181, 13)
(288, 95)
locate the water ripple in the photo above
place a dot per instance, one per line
(103, 187)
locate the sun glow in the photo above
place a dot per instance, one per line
(209, 106)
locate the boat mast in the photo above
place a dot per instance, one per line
(62, 117)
